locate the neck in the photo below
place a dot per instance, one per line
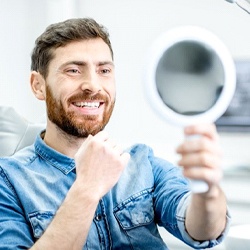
(61, 141)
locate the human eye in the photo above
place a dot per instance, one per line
(73, 71)
(105, 71)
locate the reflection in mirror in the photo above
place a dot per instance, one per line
(189, 77)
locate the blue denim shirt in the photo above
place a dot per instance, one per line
(150, 192)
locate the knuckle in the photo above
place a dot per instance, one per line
(204, 159)
(203, 143)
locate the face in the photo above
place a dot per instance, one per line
(80, 87)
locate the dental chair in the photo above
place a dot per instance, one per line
(15, 131)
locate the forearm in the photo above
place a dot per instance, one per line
(206, 215)
(69, 229)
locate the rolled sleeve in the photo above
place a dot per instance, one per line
(181, 215)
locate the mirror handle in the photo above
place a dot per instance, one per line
(197, 186)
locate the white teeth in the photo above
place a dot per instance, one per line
(88, 104)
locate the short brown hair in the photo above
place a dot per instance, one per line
(60, 34)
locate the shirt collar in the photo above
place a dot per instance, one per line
(60, 161)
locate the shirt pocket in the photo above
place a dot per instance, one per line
(135, 211)
(40, 221)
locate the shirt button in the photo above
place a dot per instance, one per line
(98, 217)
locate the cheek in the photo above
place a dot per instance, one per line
(113, 95)
(111, 90)
(59, 92)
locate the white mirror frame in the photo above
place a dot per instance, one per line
(206, 38)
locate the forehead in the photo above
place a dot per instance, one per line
(83, 50)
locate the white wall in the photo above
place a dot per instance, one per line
(20, 24)
(133, 24)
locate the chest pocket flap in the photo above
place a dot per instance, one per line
(135, 211)
(40, 221)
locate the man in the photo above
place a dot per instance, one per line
(75, 188)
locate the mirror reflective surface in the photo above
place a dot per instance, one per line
(189, 69)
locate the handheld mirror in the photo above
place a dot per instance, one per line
(190, 79)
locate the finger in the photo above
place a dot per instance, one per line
(197, 145)
(205, 159)
(88, 138)
(102, 136)
(111, 143)
(118, 149)
(205, 174)
(93, 141)
(208, 130)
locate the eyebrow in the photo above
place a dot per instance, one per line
(83, 63)
(106, 63)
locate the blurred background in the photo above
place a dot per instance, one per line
(133, 26)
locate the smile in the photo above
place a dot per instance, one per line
(88, 104)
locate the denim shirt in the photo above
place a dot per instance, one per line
(151, 192)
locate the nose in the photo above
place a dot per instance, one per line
(91, 82)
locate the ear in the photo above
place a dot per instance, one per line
(37, 84)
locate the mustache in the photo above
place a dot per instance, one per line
(88, 96)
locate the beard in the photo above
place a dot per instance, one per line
(68, 121)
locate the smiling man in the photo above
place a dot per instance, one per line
(75, 188)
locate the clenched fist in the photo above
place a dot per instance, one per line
(100, 163)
